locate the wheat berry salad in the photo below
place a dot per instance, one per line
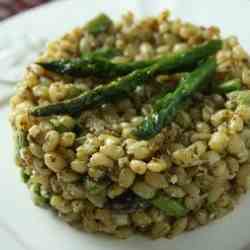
(136, 126)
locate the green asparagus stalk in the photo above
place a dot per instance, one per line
(116, 90)
(99, 24)
(90, 63)
(123, 86)
(172, 207)
(173, 102)
(228, 86)
(162, 102)
(93, 66)
(100, 67)
(223, 88)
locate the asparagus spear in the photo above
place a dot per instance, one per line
(162, 102)
(93, 66)
(223, 88)
(99, 24)
(228, 86)
(171, 103)
(90, 63)
(104, 68)
(172, 207)
(117, 89)
(121, 87)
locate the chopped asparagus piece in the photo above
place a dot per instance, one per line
(21, 142)
(99, 24)
(172, 207)
(170, 104)
(24, 176)
(94, 188)
(35, 188)
(39, 200)
(228, 86)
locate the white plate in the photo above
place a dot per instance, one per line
(24, 226)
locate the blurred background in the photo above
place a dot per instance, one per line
(11, 7)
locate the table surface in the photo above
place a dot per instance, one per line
(24, 226)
